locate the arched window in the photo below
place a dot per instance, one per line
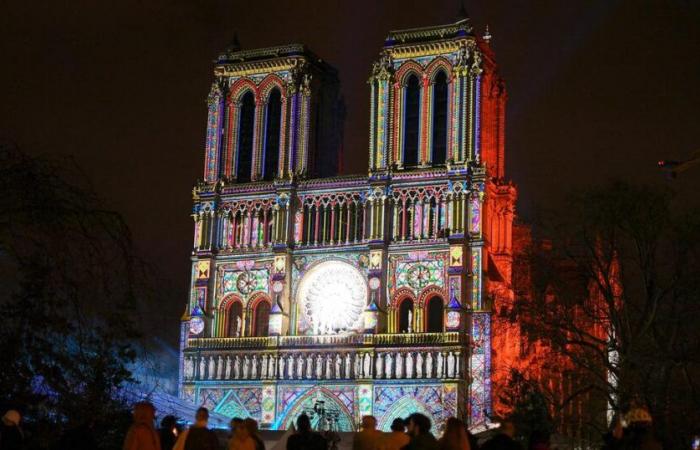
(411, 122)
(406, 315)
(273, 115)
(434, 316)
(261, 318)
(246, 125)
(439, 119)
(235, 320)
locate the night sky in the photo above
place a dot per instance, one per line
(597, 90)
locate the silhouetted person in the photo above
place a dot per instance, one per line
(639, 434)
(235, 423)
(418, 428)
(198, 436)
(455, 436)
(11, 436)
(473, 441)
(142, 434)
(368, 438)
(304, 438)
(397, 438)
(252, 426)
(241, 439)
(612, 440)
(81, 437)
(504, 439)
(539, 440)
(168, 432)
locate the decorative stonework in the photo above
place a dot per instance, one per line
(307, 290)
(332, 296)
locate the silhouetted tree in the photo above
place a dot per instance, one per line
(615, 292)
(70, 282)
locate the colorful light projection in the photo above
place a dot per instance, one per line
(333, 295)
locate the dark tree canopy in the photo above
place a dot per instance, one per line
(613, 287)
(69, 287)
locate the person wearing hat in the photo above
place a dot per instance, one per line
(11, 436)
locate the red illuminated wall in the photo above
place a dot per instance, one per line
(506, 272)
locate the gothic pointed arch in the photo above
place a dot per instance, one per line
(411, 120)
(434, 314)
(272, 134)
(400, 294)
(269, 83)
(259, 307)
(239, 87)
(402, 301)
(440, 115)
(430, 291)
(233, 112)
(439, 63)
(246, 137)
(344, 423)
(405, 70)
(404, 407)
(406, 314)
(231, 310)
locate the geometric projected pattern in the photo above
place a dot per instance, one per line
(417, 275)
(309, 288)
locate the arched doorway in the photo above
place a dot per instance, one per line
(411, 125)
(234, 319)
(434, 315)
(404, 407)
(273, 114)
(313, 399)
(406, 315)
(246, 127)
(261, 318)
(439, 138)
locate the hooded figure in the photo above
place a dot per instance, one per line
(142, 434)
(11, 436)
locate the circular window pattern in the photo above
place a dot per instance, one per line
(418, 276)
(333, 296)
(196, 325)
(245, 283)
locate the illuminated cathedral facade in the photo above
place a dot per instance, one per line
(348, 295)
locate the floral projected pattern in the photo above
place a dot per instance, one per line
(417, 275)
(332, 296)
(245, 282)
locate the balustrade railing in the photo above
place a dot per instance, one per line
(333, 365)
(272, 342)
(233, 342)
